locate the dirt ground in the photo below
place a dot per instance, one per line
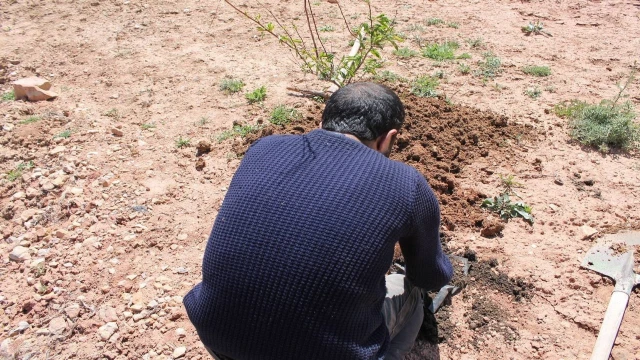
(112, 221)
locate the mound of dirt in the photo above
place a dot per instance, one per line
(440, 140)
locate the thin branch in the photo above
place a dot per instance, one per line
(315, 46)
(355, 35)
(313, 17)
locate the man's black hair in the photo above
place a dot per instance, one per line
(365, 110)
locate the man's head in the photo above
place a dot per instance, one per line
(371, 112)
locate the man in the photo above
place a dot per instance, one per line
(296, 261)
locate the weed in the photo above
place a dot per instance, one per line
(550, 89)
(425, 86)
(319, 99)
(415, 27)
(39, 270)
(182, 142)
(42, 289)
(9, 96)
(568, 109)
(604, 125)
(112, 113)
(30, 120)
(533, 93)
(326, 28)
(405, 52)
(282, 115)
(502, 205)
(490, 67)
(257, 95)
(17, 172)
(444, 51)
(464, 56)
(534, 28)
(434, 21)
(475, 43)
(231, 86)
(440, 74)
(64, 135)
(509, 183)
(537, 70)
(388, 76)
(454, 25)
(464, 69)
(237, 130)
(202, 122)
(148, 126)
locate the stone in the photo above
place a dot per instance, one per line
(57, 325)
(117, 132)
(57, 150)
(61, 234)
(60, 180)
(18, 195)
(107, 330)
(587, 232)
(108, 314)
(28, 214)
(76, 191)
(180, 332)
(19, 254)
(32, 192)
(179, 352)
(554, 207)
(8, 127)
(72, 311)
(33, 89)
(182, 236)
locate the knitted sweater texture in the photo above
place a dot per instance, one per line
(295, 264)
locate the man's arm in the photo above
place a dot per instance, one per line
(427, 266)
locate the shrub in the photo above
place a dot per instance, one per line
(425, 86)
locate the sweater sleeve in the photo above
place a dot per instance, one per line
(427, 266)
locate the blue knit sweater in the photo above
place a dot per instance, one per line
(296, 261)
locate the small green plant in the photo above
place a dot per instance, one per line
(42, 289)
(537, 70)
(148, 126)
(475, 43)
(454, 25)
(64, 135)
(440, 74)
(464, 69)
(464, 56)
(17, 172)
(508, 184)
(502, 205)
(39, 270)
(231, 86)
(257, 95)
(388, 76)
(425, 86)
(405, 52)
(30, 120)
(415, 28)
(534, 28)
(605, 125)
(490, 67)
(9, 96)
(326, 28)
(434, 21)
(112, 113)
(444, 51)
(182, 142)
(533, 93)
(202, 121)
(237, 130)
(282, 115)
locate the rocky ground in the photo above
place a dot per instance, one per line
(104, 218)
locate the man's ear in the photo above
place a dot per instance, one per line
(385, 142)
